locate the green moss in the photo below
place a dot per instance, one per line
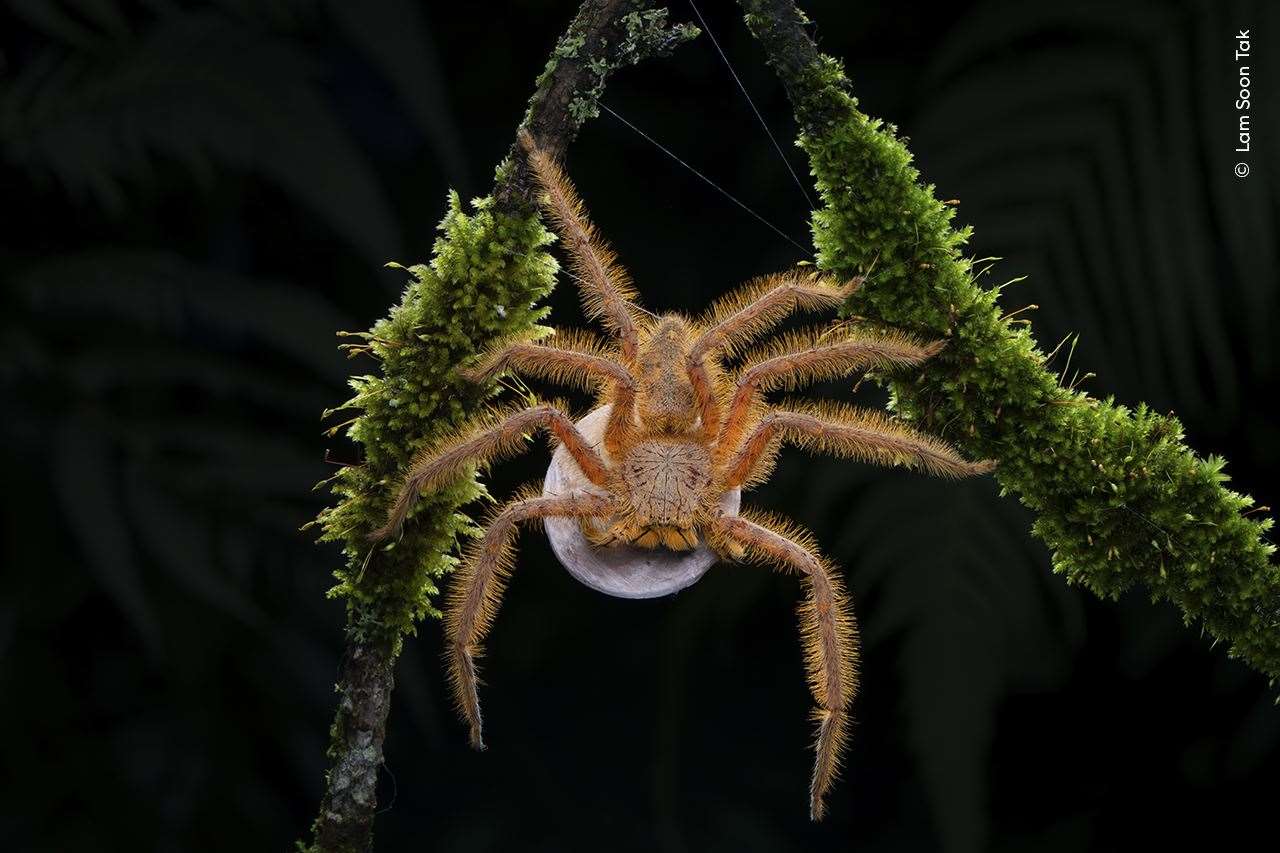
(488, 271)
(1120, 499)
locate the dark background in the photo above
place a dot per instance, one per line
(197, 196)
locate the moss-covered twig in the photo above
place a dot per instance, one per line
(1119, 498)
(606, 35)
(489, 270)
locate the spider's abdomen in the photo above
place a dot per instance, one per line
(666, 482)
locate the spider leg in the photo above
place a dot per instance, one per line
(826, 625)
(812, 356)
(747, 313)
(568, 357)
(476, 594)
(497, 436)
(576, 359)
(606, 288)
(705, 379)
(761, 304)
(842, 431)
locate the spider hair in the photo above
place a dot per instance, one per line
(496, 434)
(607, 292)
(827, 628)
(759, 306)
(844, 431)
(569, 357)
(475, 596)
(801, 358)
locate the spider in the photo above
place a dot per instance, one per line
(683, 429)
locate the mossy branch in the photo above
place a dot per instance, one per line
(490, 269)
(605, 36)
(1120, 499)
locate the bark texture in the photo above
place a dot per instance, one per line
(365, 683)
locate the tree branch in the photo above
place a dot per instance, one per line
(604, 36)
(779, 26)
(1120, 499)
(498, 258)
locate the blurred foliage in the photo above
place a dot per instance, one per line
(176, 258)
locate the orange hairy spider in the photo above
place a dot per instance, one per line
(683, 430)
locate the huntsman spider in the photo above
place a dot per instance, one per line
(684, 428)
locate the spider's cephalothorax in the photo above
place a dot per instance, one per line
(664, 474)
(682, 431)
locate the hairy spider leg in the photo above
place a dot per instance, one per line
(806, 357)
(847, 432)
(571, 358)
(477, 590)
(499, 435)
(606, 289)
(758, 306)
(827, 627)
(745, 314)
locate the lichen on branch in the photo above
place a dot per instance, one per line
(567, 93)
